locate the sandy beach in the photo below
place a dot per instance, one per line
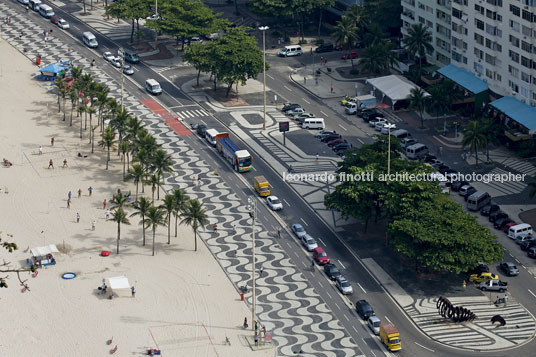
(184, 304)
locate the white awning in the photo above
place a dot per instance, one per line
(43, 251)
(394, 87)
(119, 285)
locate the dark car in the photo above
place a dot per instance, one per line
(488, 209)
(368, 116)
(341, 151)
(526, 245)
(330, 137)
(443, 169)
(509, 268)
(468, 193)
(325, 47)
(287, 107)
(501, 222)
(331, 271)
(201, 130)
(456, 185)
(336, 141)
(364, 309)
(532, 252)
(479, 269)
(496, 215)
(362, 111)
(429, 158)
(54, 20)
(342, 146)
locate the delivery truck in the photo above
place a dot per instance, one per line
(390, 336)
(262, 186)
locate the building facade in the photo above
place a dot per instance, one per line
(494, 39)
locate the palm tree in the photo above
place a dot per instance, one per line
(160, 164)
(359, 16)
(417, 101)
(439, 99)
(119, 200)
(141, 207)
(108, 141)
(119, 216)
(372, 59)
(111, 108)
(154, 182)
(102, 99)
(91, 111)
(491, 131)
(390, 56)
(124, 149)
(154, 218)
(76, 73)
(73, 97)
(180, 204)
(80, 110)
(418, 42)
(119, 123)
(195, 216)
(168, 204)
(473, 136)
(137, 174)
(64, 92)
(142, 158)
(345, 33)
(374, 35)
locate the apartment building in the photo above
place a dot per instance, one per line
(494, 39)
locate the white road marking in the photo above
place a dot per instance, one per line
(304, 222)
(361, 288)
(269, 76)
(531, 293)
(346, 317)
(337, 305)
(524, 267)
(327, 293)
(387, 318)
(292, 69)
(361, 141)
(324, 113)
(341, 264)
(288, 204)
(343, 127)
(426, 348)
(306, 101)
(321, 241)
(373, 353)
(287, 88)
(355, 329)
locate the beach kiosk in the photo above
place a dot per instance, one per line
(42, 256)
(119, 286)
(51, 72)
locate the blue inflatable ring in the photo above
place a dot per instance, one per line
(68, 276)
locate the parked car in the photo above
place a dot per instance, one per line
(523, 238)
(325, 47)
(342, 146)
(509, 268)
(442, 168)
(501, 222)
(385, 130)
(349, 55)
(62, 24)
(274, 203)
(342, 151)
(507, 226)
(343, 285)
(531, 253)
(526, 245)
(309, 242)
(496, 215)
(292, 112)
(380, 124)
(320, 256)
(323, 133)
(478, 278)
(107, 56)
(303, 116)
(298, 230)
(127, 69)
(336, 141)
(479, 269)
(486, 210)
(374, 121)
(362, 111)
(331, 271)
(407, 142)
(54, 20)
(374, 324)
(288, 107)
(201, 130)
(330, 137)
(364, 309)
(368, 116)
(468, 192)
(116, 62)
(457, 185)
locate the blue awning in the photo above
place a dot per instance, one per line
(465, 79)
(515, 109)
(53, 68)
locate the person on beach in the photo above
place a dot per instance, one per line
(40, 150)
(107, 214)
(50, 164)
(133, 291)
(77, 217)
(68, 203)
(69, 195)
(79, 192)
(52, 141)
(65, 163)
(104, 204)
(93, 225)
(90, 190)
(245, 322)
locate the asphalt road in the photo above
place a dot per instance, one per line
(365, 286)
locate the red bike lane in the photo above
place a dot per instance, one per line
(168, 118)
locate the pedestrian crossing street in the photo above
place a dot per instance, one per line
(480, 333)
(192, 113)
(496, 188)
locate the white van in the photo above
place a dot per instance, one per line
(478, 200)
(90, 40)
(519, 229)
(34, 4)
(313, 123)
(46, 11)
(210, 136)
(401, 133)
(293, 50)
(153, 87)
(416, 151)
(351, 108)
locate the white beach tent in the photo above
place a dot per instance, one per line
(44, 251)
(119, 286)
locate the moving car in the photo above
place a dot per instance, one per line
(364, 309)
(343, 285)
(309, 242)
(325, 47)
(298, 230)
(374, 324)
(331, 271)
(509, 268)
(274, 203)
(348, 55)
(321, 134)
(488, 209)
(320, 256)
(62, 24)
(107, 56)
(201, 130)
(478, 278)
(116, 62)
(54, 20)
(127, 69)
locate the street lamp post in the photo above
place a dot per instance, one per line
(121, 54)
(252, 207)
(263, 29)
(389, 127)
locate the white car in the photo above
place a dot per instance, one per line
(274, 203)
(63, 24)
(107, 56)
(295, 111)
(298, 230)
(407, 142)
(308, 242)
(343, 285)
(379, 125)
(384, 130)
(302, 116)
(374, 324)
(373, 122)
(116, 62)
(323, 133)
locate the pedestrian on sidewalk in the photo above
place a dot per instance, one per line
(198, 180)
(104, 204)
(90, 190)
(325, 61)
(79, 192)
(194, 179)
(260, 271)
(245, 324)
(68, 203)
(304, 80)
(50, 164)
(215, 226)
(77, 217)
(93, 225)
(464, 285)
(317, 157)
(256, 338)
(441, 151)
(234, 227)
(321, 59)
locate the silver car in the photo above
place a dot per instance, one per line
(116, 62)
(309, 242)
(127, 69)
(374, 324)
(343, 285)
(323, 133)
(298, 230)
(107, 56)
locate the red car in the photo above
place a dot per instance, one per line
(352, 55)
(507, 226)
(320, 256)
(54, 20)
(336, 141)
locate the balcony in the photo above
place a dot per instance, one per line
(409, 2)
(408, 15)
(516, 135)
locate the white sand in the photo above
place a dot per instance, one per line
(184, 304)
